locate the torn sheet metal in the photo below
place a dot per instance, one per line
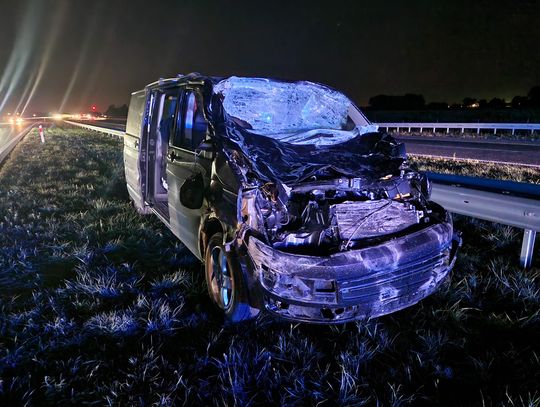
(289, 132)
(367, 155)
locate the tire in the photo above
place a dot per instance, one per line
(226, 282)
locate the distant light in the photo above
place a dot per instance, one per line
(58, 116)
(94, 108)
(34, 115)
(475, 105)
(12, 120)
(19, 120)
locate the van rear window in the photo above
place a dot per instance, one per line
(135, 113)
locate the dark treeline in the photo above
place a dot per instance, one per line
(120, 111)
(415, 102)
(408, 101)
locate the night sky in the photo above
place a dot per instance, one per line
(67, 55)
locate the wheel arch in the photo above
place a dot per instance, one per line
(209, 227)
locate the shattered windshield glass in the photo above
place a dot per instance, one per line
(296, 113)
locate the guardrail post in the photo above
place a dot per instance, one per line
(527, 248)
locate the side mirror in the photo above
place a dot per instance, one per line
(192, 192)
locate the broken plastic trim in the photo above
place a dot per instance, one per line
(376, 280)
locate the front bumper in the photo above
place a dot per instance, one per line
(356, 284)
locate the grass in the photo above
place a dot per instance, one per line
(502, 135)
(100, 306)
(477, 169)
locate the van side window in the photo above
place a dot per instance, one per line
(167, 116)
(191, 131)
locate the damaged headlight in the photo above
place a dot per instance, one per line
(289, 286)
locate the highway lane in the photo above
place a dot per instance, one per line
(10, 136)
(6, 134)
(115, 124)
(501, 151)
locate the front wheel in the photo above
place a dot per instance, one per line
(225, 281)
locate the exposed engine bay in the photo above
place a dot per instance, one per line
(317, 176)
(337, 215)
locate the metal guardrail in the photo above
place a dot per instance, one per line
(509, 203)
(532, 127)
(498, 186)
(6, 149)
(112, 132)
(506, 202)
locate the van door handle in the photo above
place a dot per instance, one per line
(136, 144)
(172, 156)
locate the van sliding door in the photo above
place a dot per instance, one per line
(134, 150)
(183, 166)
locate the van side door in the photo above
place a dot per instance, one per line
(185, 167)
(161, 124)
(135, 149)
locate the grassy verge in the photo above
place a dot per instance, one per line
(502, 135)
(477, 169)
(99, 305)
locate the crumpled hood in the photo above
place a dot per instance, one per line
(371, 154)
(291, 131)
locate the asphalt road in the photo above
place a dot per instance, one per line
(6, 134)
(116, 124)
(501, 151)
(10, 136)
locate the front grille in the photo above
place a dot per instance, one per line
(390, 284)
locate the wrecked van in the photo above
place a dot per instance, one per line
(291, 198)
